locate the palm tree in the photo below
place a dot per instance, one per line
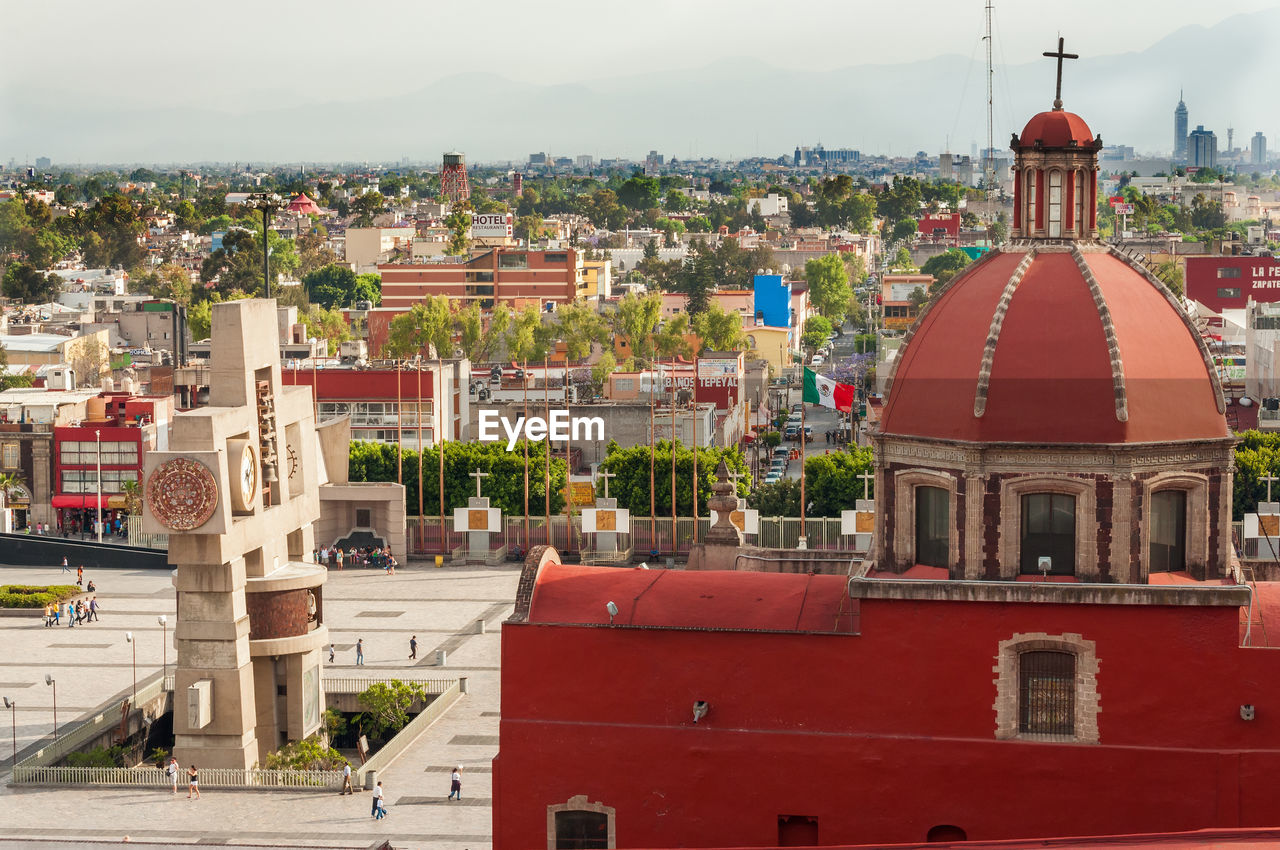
(10, 481)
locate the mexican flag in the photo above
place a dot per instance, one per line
(826, 392)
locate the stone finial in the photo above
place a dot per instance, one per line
(724, 501)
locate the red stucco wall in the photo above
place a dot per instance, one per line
(884, 735)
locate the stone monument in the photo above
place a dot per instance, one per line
(250, 624)
(478, 520)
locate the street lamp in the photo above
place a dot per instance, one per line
(267, 202)
(12, 705)
(164, 648)
(53, 683)
(128, 637)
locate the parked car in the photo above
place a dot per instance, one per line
(773, 477)
(781, 452)
(817, 360)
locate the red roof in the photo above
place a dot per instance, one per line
(1056, 129)
(1052, 378)
(303, 204)
(677, 599)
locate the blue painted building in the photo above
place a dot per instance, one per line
(772, 300)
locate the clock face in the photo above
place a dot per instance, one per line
(248, 475)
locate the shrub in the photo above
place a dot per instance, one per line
(29, 596)
(305, 755)
(98, 757)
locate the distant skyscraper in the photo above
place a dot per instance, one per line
(1258, 149)
(1180, 131)
(1202, 148)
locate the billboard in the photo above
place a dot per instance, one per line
(491, 226)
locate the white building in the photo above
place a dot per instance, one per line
(772, 204)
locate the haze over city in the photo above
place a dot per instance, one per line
(291, 82)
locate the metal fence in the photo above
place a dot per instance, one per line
(647, 536)
(358, 685)
(138, 538)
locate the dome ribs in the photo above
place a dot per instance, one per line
(1141, 268)
(1108, 330)
(993, 335)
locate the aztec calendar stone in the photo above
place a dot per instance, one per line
(182, 493)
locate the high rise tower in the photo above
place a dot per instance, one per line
(1258, 149)
(453, 177)
(1180, 131)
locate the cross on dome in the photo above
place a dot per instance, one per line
(1057, 99)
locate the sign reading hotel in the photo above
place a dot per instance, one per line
(491, 226)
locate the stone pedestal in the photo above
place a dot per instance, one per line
(606, 541)
(477, 540)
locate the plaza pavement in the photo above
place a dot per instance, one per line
(92, 663)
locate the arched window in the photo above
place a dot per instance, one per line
(1047, 693)
(1048, 531)
(1081, 226)
(932, 526)
(1055, 203)
(580, 824)
(1031, 199)
(1168, 548)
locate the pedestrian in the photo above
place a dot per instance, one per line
(48, 615)
(80, 575)
(338, 556)
(171, 771)
(90, 588)
(346, 779)
(359, 652)
(413, 647)
(455, 783)
(65, 567)
(331, 651)
(391, 565)
(315, 556)
(71, 616)
(193, 783)
(93, 608)
(57, 613)
(378, 811)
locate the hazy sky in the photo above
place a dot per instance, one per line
(232, 51)
(236, 79)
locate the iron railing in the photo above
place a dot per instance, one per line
(154, 777)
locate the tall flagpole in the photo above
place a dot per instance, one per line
(675, 548)
(422, 455)
(695, 448)
(568, 462)
(399, 429)
(437, 393)
(653, 507)
(524, 369)
(546, 468)
(804, 446)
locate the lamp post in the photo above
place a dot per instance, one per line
(128, 637)
(12, 705)
(267, 203)
(97, 436)
(164, 648)
(53, 683)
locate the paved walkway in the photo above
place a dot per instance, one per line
(93, 663)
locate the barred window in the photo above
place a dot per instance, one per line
(12, 456)
(579, 830)
(1046, 693)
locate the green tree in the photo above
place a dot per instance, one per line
(459, 223)
(579, 326)
(237, 265)
(23, 283)
(307, 754)
(946, 265)
(829, 287)
(328, 324)
(677, 201)
(635, 319)
(170, 281)
(719, 329)
(639, 192)
(387, 706)
(902, 259)
(366, 207)
(696, 279)
(479, 342)
(1257, 456)
(603, 368)
(816, 331)
(1171, 275)
(631, 466)
(529, 338)
(428, 324)
(200, 320)
(8, 381)
(331, 286)
(312, 252)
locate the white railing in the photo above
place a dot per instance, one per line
(357, 685)
(154, 777)
(76, 738)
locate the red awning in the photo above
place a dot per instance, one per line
(85, 500)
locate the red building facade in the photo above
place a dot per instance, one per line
(515, 276)
(1226, 283)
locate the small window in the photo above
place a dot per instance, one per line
(579, 830)
(1229, 292)
(556, 259)
(1047, 693)
(1048, 530)
(1228, 272)
(513, 261)
(12, 456)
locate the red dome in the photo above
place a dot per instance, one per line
(1056, 129)
(1054, 357)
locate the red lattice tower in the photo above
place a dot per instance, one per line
(453, 177)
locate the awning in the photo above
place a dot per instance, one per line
(87, 500)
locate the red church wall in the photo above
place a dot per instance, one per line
(884, 735)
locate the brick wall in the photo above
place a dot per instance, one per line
(277, 614)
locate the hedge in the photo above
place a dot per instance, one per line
(30, 596)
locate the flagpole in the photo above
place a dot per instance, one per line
(675, 549)
(568, 463)
(399, 429)
(438, 393)
(804, 445)
(524, 368)
(695, 448)
(546, 468)
(422, 455)
(653, 512)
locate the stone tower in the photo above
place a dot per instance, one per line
(238, 494)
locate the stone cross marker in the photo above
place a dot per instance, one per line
(477, 475)
(1057, 99)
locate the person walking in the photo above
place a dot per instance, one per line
(171, 771)
(93, 608)
(413, 647)
(80, 575)
(48, 615)
(346, 780)
(65, 567)
(455, 784)
(57, 613)
(378, 811)
(338, 555)
(193, 783)
(359, 652)
(332, 648)
(71, 616)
